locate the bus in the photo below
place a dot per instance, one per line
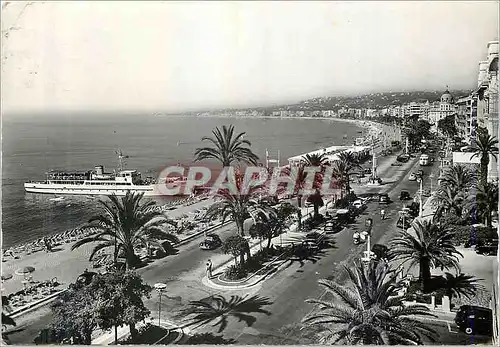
(424, 160)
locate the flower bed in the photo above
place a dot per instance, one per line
(255, 263)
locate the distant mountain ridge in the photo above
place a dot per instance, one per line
(366, 101)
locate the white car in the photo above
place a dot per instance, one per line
(359, 204)
(412, 177)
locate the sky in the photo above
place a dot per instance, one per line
(169, 56)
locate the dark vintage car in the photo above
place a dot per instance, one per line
(403, 158)
(384, 198)
(475, 320)
(212, 241)
(404, 195)
(487, 247)
(380, 251)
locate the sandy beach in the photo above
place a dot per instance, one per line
(63, 263)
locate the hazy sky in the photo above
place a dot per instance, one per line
(166, 56)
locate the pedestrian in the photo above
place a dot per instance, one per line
(382, 214)
(209, 268)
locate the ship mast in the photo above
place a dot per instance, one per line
(120, 159)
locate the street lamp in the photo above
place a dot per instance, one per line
(160, 287)
(368, 224)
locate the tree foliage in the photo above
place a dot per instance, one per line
(430, 246)
(114, 298)
(227, 148)
(125, 224)
(447, 126)
(368, 310)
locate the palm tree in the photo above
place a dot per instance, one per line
(218, 309)
(270, 220)
(227, 148)
(458, 177)
(298, 176)
(461, 284)
(486, 146)
(343, 168)
(316, 160)
(125, 224)
(447, 199)
(430, 247)
(368, 310)
(234, 205)
(484, 202)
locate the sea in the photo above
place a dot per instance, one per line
(33, 145)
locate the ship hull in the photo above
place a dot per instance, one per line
(81, 189)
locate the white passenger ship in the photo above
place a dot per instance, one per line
(98, 182)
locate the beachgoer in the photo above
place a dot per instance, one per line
(209, 268)
(382, 214)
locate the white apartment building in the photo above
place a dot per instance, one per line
(466, 120)
(444, 108)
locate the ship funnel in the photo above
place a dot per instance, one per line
(99, 170)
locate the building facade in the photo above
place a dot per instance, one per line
(466, 119)
(487, 100)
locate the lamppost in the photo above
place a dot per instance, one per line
(160, 287)
(368, 224)
(421, 208)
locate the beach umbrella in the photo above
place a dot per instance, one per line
(6, 277)
(25, 270)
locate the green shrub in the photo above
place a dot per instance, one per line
(235, 272)
(473, 235)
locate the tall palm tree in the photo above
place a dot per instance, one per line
(344, 167)
(316, 160)
(458, 177)
(298, 176)
(271, 220)
(235, 205)
(431, 246)
(368, 310)
(227, 148)
(447, 200)
(484, 202)
(125, 224)
(486, 146)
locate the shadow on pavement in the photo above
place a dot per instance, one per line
(217, 309)
(207, 339)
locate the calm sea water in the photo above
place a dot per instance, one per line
(32, 146)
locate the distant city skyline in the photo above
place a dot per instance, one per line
(174, 57)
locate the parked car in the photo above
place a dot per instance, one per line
(314, 240)
(397, 163)
(412, 177)
(420, 173)
(212, 241)
(403, 158)
(384, 198)
(380, 251)
(487, 247)
(475, 320)
(332, 226)
(404, 195)
(367, 171)
(344, 216)
(359, 204)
